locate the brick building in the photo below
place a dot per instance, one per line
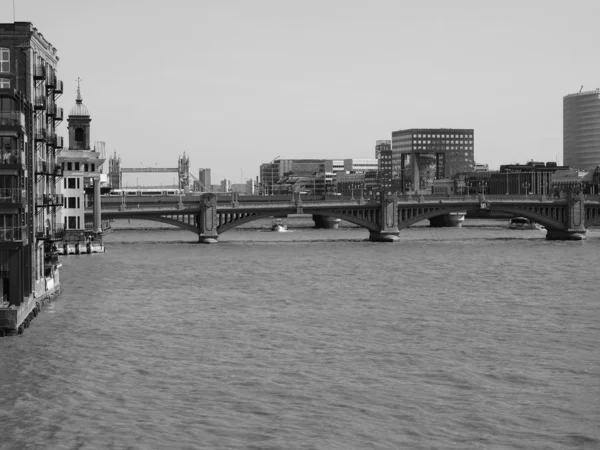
(29, 114)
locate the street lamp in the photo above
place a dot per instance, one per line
(526, 186)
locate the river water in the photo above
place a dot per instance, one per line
(457, 338)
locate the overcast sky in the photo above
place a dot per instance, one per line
(238, 83)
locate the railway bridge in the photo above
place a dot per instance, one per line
(384, 216)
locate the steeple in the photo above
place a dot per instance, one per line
(79, 109)
(79, 123)
(79, 99)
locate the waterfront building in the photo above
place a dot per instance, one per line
(82, 168)
(581, 130)
(29, 202)
(532, 178)
(426, 154)
(385, 166)
(357, 184)
(271, 173)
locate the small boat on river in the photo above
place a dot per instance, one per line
(279, 225)
(523, 223)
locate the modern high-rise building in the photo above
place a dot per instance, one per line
(421, 155)
(581, 130)
(204, 180)
(383, 153)
(29, 202)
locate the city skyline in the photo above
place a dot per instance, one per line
(234, 85)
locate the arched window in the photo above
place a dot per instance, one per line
(79, 135)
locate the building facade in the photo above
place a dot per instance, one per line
(271, 173)
(421, 155)
(385, 166)
(581, 130)
(80, 187)
(361, 165)
(204, 180)
(29, 202)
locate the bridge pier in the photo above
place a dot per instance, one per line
(574, 221)
(388, 223)
(207, 220)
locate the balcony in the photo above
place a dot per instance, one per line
(54, 140)
(51, 80)
(51, 110)
(41, 167)
(12, 156)
(12, 195)
(13, 234)
(40, 103)
(50, 259)
(39, 72)
(51, 232)
(58, 116)
(41, 135)
(49, 200)
(12, 119)
(58, 88)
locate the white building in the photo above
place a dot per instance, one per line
(82, 169)
(361, 165)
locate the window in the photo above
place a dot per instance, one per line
(79, 135)
(78, 222)
(69, 166)
(71, 183)
(85, 167)
(65, 183)
(78, 204)
(76, 166)
(93, 167)
(4, 60)
(4, 83)
(77, 183)
(72, 223)
(72, 202)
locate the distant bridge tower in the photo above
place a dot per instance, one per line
(183, 165)
(115, 177)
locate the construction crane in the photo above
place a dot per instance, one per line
(581, 88)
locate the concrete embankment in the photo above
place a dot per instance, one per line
(15, 319)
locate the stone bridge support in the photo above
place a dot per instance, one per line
(207, 220)
(388, 220)
(574, 220)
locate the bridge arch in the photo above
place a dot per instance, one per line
(250, 217)
(442, 209)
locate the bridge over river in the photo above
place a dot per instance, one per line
(384, 216)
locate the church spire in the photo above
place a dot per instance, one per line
(79, 99)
